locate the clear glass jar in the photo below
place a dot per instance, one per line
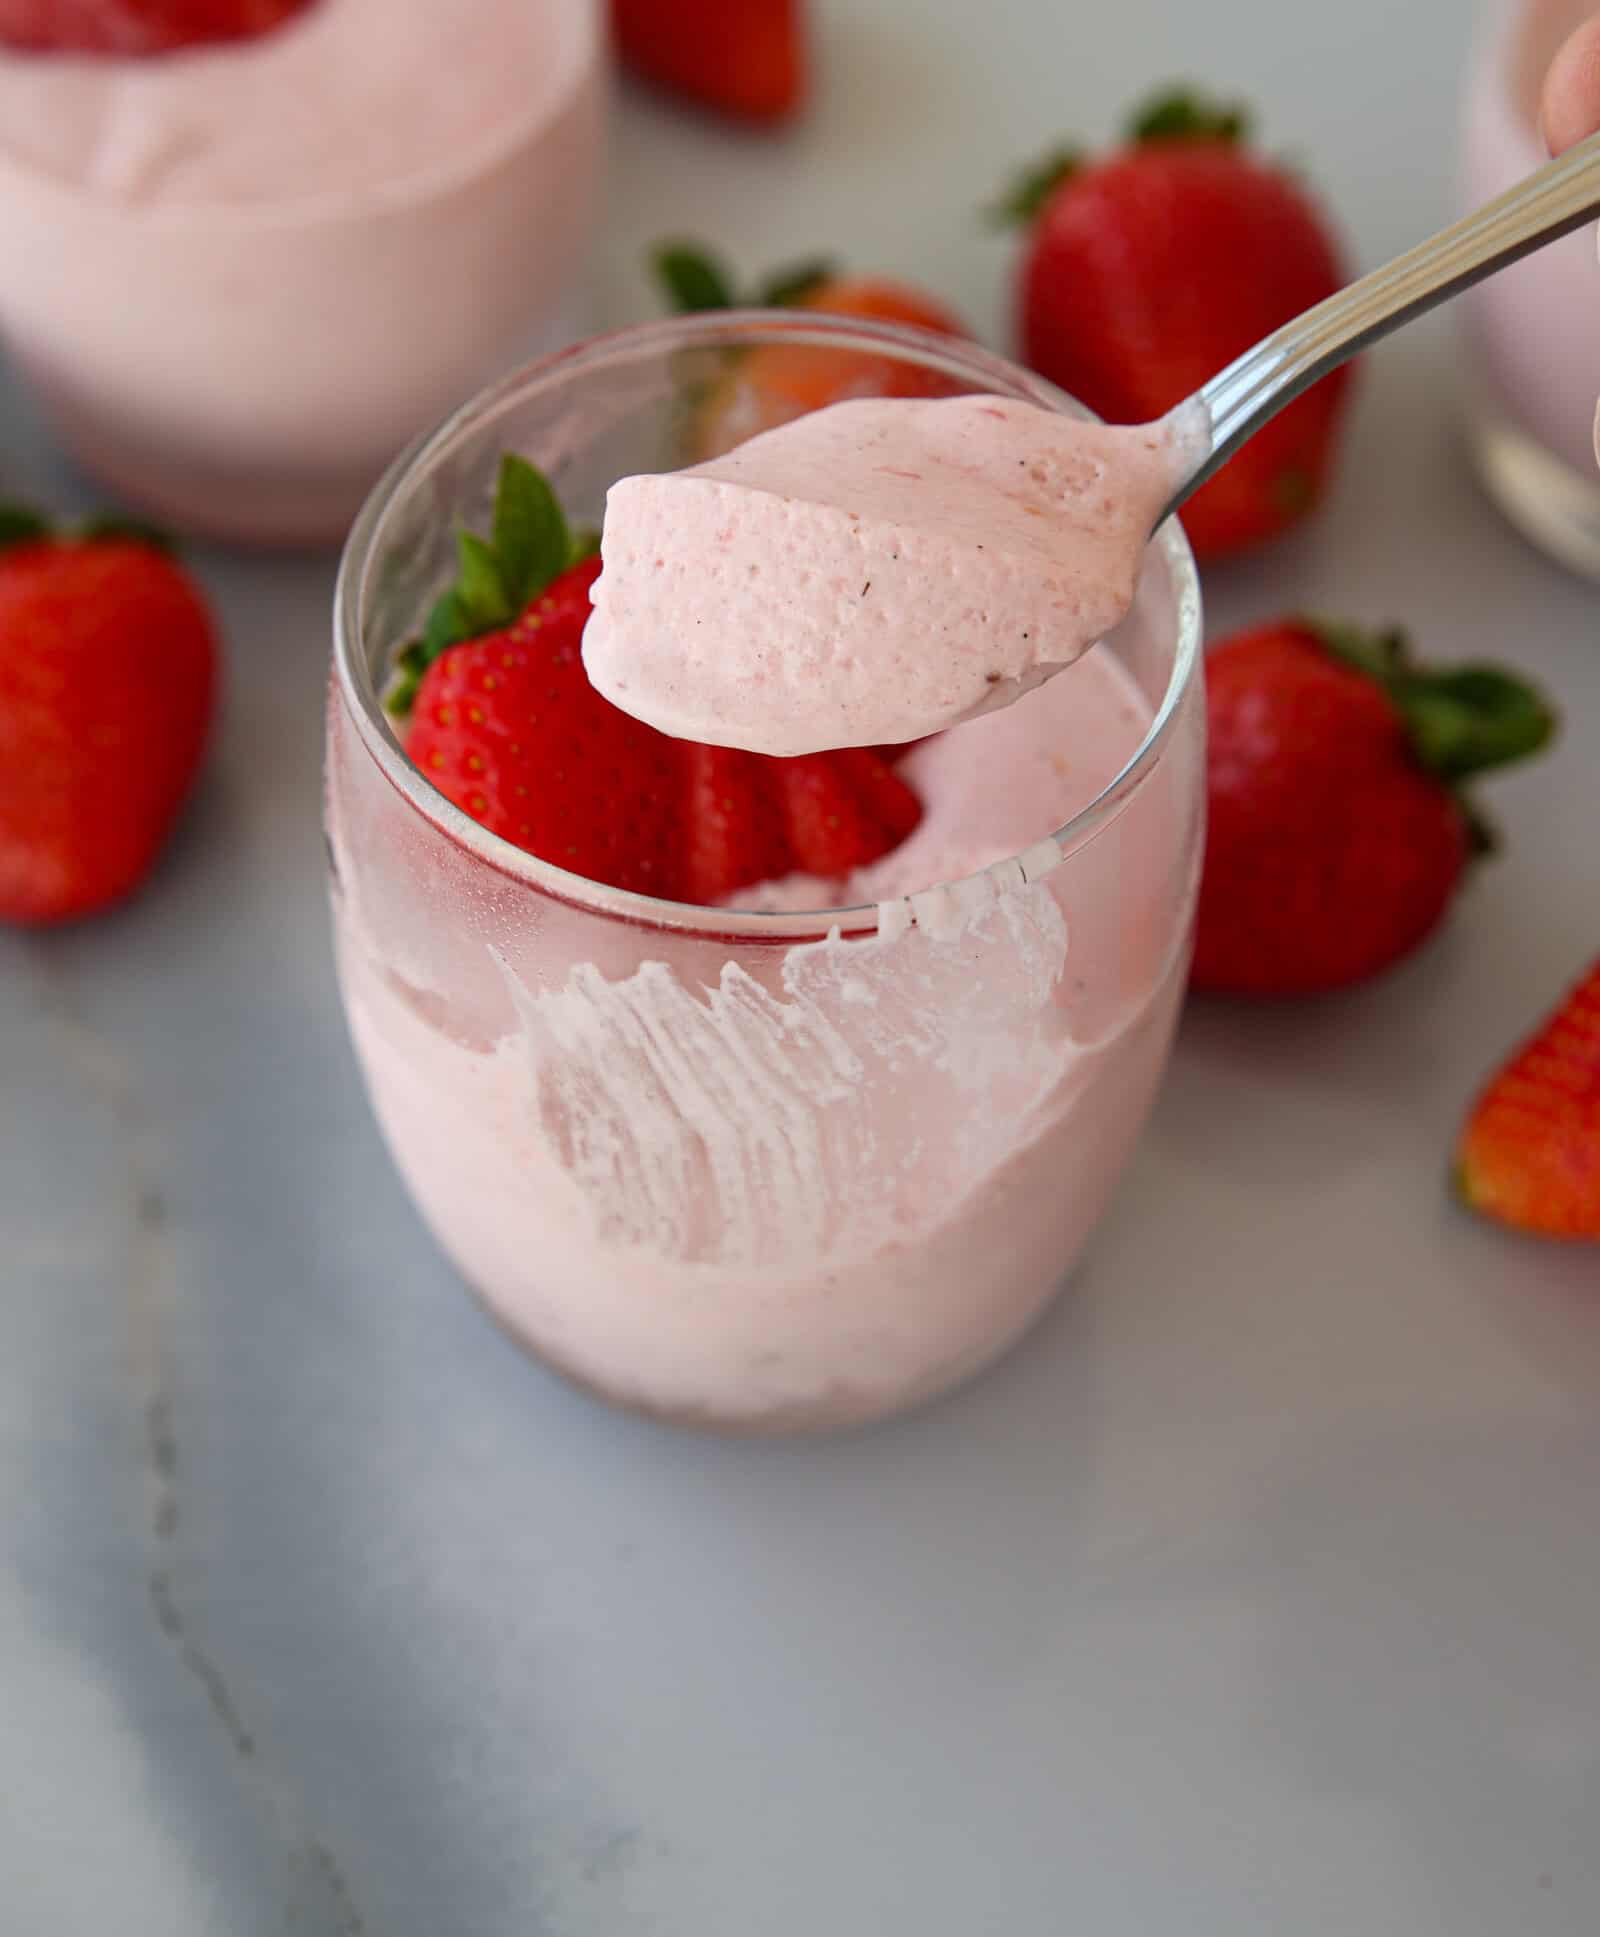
(1532, 333)
(767, 1172)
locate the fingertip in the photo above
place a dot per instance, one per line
(1569, 107)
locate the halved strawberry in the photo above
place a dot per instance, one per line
(733, 831)
(504, 722)
(837, 808)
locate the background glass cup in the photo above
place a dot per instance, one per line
(1532, 333)
(247, 369)
(771, 1172)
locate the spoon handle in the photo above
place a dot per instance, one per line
(1554, 200)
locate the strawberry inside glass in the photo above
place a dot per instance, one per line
(501, 717)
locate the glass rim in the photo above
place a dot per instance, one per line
(952, 356)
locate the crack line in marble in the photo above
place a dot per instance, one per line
(110, 1084)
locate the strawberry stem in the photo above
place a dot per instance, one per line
(20, 525)
(133, 531)
(1182, 114)
(531, 544)
(1029, 190)
(692, 278)
(1460, 720)
(794, 283)
(1473, 718)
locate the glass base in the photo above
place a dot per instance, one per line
(844, 1409)
(1543, 497)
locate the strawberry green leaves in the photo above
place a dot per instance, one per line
(113, 526)
(1460, 720)
(1472, 718)
(1179, 114)
(530, 544)
(481, 596)
(693, 279)
(1175, 114)
(20, 524)
(1025, 196)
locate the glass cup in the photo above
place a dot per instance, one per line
(1532, 333)
(768, 1172)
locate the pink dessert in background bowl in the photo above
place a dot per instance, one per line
(812, 1159)
(241, 276)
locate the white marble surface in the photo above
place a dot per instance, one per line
(1259, 1592)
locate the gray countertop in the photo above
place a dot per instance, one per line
(1259, 1592)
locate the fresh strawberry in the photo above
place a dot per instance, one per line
(107, 676)
(744, 58)
(733, 831)
(1530, 1152)
(137, 27)
(774, 383)
(1337, 830)
(1151, 269)
(838, 807)
(508, 727)
(504, 722)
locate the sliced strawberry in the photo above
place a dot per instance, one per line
(137, 28)
(843, 810)
(733, 831)
(504, 722)
(509, 728)
(1530, 1153)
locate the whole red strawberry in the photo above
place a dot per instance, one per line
(1149, 270)
(137, 27)
(107, 678)
(742, 57)
(504, 722)
(1530, 1152)
(773, 383)
(1337, 831)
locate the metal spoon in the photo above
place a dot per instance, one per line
(1553, 201)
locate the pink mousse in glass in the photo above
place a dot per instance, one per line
(818, 1157)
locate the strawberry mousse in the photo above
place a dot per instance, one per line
(786, 1187)
(243, 273)
(874, 571)
(821, 1150)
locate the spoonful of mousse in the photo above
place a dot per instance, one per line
(882, 569)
